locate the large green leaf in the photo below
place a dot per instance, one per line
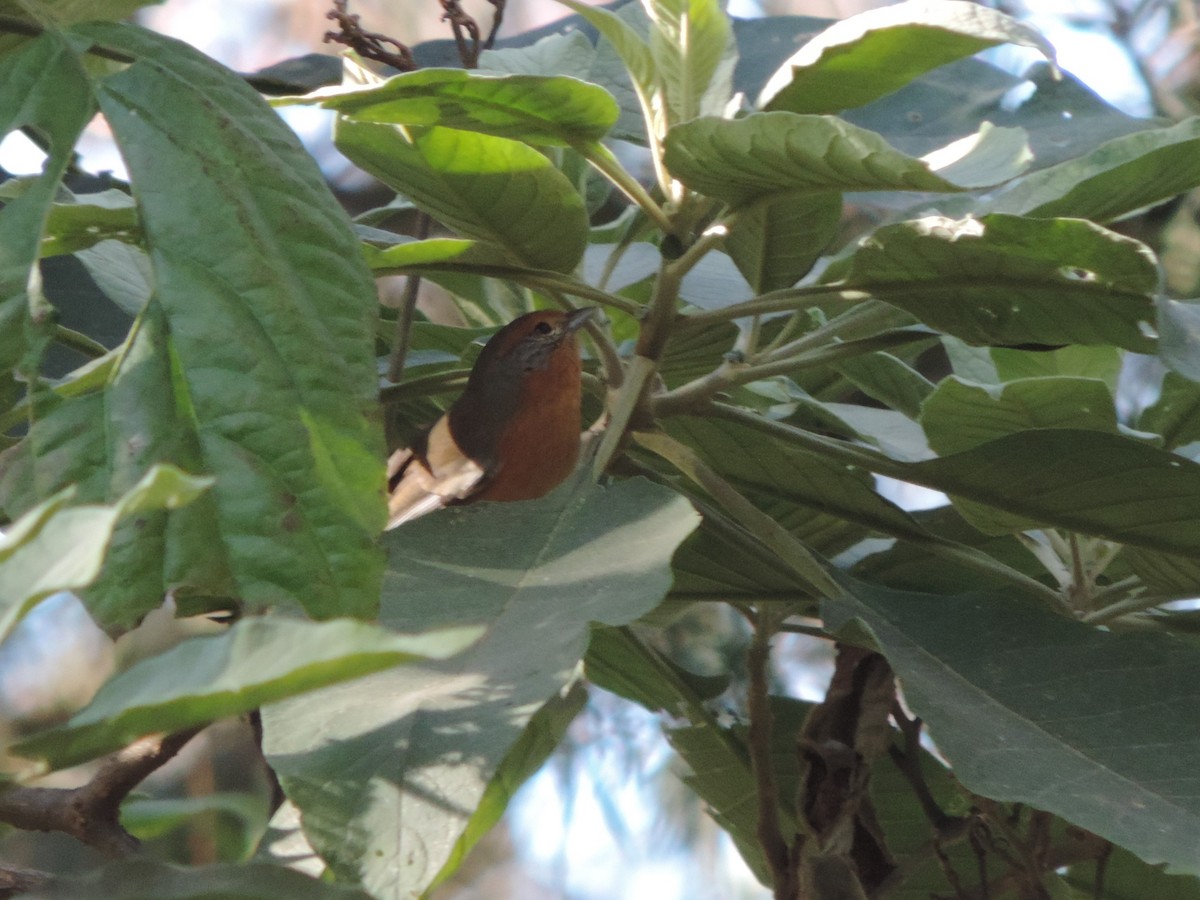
(772, 155)
(960, 415)
(269, 310)
(147, 880)
(536, 109)
(1125, 877)
(1063, 117)
(1088, 481)
(499, 191)
(692, 46)
(1179, 329)
(773, 470)
(775, 244)
(388, 771)
(1119, 177)
(102, 437)
(1176, 413)
(889, 380)
(542, 735)
(717, 757)
(1008, 280)
(258, 660)
(55, 547)
(42, 87)
(628, 43)
(1030, 707)
(866, 56)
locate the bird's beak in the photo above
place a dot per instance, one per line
(577, 318)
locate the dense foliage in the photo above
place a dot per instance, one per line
(876, 258)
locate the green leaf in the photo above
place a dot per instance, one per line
(1175, 414)
(536, 109)
(775, 244)
(1098, 362)
(123, 272)
(1004, 279)
(257, 661)
(1128, 878)
(773, 155)
(909, 566)
(493, 189)
(1179, 331)
(692, 46)
(570, 54)
(146, 880)
(626, 41)
(869, 55)
(238, 819)
(717, 757)
(772, 470)
(712, 564)
(888, 380)
(1095, 727)
(387, 772)
(1087, 481)
(46, 89)
(541, 737)
(1125, 174)
(245, 239)
(55, 547)
(1063, 118)
(88, 220)
(960, 415)
(444, 254)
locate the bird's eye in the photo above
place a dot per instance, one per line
(543, 328)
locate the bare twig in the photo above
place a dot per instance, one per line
(769, 833)
(497, 18)
(908, 761)
(16, 882)
(91, 813)
(407, 311)
(367, 44)
(464, 27)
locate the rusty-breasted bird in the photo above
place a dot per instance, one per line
(514, 432)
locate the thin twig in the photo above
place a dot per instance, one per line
(908, 761)
(497, 19)
(367, 44)
(91, 813)
(463, 27)
(768, 831)
(16, 882)
(406, 312)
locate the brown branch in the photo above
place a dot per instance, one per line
(91, 813)
(407, 311)
(367, 44)
(769, 832)
(16, 882)
(908, 761)
(497, 18)
(463, 27)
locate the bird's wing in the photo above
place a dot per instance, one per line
(439, 477)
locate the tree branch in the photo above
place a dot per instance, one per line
(367, 44)
(768, 831)
(91, 813)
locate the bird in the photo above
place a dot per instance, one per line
(513, 434)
